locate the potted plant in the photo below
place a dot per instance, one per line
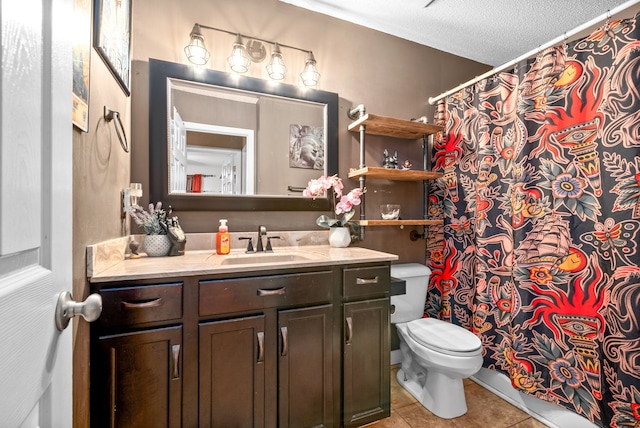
(154, 224)
(339, 226)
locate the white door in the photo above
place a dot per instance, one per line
(178, 154)
(35, 211)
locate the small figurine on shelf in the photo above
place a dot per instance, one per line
(390, 162)
(406, 164)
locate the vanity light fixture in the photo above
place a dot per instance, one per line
(241, 57)
(196, 52)
(239, 60)
(310, 75)
(276, 67)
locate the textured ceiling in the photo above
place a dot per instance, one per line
(491, 32)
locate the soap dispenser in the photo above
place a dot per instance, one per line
(223, 239)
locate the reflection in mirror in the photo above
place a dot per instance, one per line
(210, 159)
(219, 161)
(282, 127)
(218, 142)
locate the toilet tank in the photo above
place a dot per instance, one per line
(410, 306)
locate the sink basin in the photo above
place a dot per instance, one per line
(241, 259)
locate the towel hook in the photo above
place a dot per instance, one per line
(110, 115)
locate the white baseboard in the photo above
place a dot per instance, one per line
(396, 357)
(549, 414)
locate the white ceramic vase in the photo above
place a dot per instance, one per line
(339, 237)
(157, 245)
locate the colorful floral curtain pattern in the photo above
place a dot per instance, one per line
(539, 252)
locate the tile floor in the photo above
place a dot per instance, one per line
(485, 410)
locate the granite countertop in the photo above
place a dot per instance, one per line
(108, 261)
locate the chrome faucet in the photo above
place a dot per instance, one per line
(262, 231)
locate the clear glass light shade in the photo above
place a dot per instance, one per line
(196, 52)
(239, 60)
(310, 75)
(276, 67)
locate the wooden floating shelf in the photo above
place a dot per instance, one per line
(400, 222)
(394, 174)
(392, 127)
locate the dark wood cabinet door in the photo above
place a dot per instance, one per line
(232, 373)
(138, 379)
(366, 382)
(305, 367)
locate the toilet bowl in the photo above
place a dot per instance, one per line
(436, 355)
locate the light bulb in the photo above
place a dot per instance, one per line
(238, 60)
(196, 52)
(276, 67)
(310, 75)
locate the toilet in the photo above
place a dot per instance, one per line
(436, 355)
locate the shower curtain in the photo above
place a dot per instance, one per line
(540, 197)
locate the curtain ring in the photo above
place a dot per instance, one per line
(540, 55)
(606, 24)
(110, 115)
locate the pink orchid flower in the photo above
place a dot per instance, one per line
(345, 203)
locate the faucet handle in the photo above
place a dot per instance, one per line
(249, 245)
(269, 249)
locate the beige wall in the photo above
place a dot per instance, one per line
(101, 169)
(273, 174)
(391, 76)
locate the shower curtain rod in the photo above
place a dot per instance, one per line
(553, 42)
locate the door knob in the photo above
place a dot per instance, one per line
(67, 308)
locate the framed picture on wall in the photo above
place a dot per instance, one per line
(81, 63)
(306, 146)
(112, 38)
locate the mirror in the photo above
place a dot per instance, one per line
(234, 143)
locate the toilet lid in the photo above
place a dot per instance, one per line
(443, 336)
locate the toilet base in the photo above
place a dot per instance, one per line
(446, 406)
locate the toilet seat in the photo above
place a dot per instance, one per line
(444, 337)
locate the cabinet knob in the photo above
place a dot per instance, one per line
(365, 281)
(260, 346)
(68, 308)
(278, 291)
(349, 330)
(285, 341)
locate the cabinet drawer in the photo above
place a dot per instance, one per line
(366, 282)
(246, 294)
(140, 304)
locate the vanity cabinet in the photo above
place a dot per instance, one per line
(294, 347)
(243, 375)
(269, 361)
(369, 124)
(232, 373)
(366, 357)
(136, 362)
